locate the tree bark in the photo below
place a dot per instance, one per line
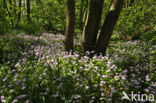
(108, 26)
(70, 24)
(92, 25)
(28, 11)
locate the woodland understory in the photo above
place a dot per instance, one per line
(77, 51)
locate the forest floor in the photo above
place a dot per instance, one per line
(36, 69)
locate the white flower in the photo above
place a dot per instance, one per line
(87, 87)
(147, 78)
(2, 99)
(15, 101)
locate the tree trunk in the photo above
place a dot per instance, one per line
(108, 26)
(70, 24)
(15, 7)
(81, 15)
(10, 2)
(4, 4)
(8, 10)
(19, 13)
(28, 11)
(85, 11)
(92, 25)
(131, 2)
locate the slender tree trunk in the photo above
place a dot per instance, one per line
(15, 13)
(15, 10)
(131, 2)
(8, 10)
(4, 4)
(85, 11)
(10, 2)
(108, 26)
(81, 15)
(70, 24)
(19, 13)
(28, 11)
(92, 25)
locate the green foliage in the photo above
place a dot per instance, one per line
(9, 51)
(52, 15)
(31, 28)
(137, 20)
(4, 20)
(153, 41)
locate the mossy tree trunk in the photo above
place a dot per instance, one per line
(70, 24)
(92, 25)
(108, 26)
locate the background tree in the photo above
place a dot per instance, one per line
(83, 7)
(70, 24)
(28, 10)
(81, 14)
(10, 13)
(49, 16)
(19, 13)
(131, 2)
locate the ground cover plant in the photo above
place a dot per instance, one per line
(77, 51)
(40, 71)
